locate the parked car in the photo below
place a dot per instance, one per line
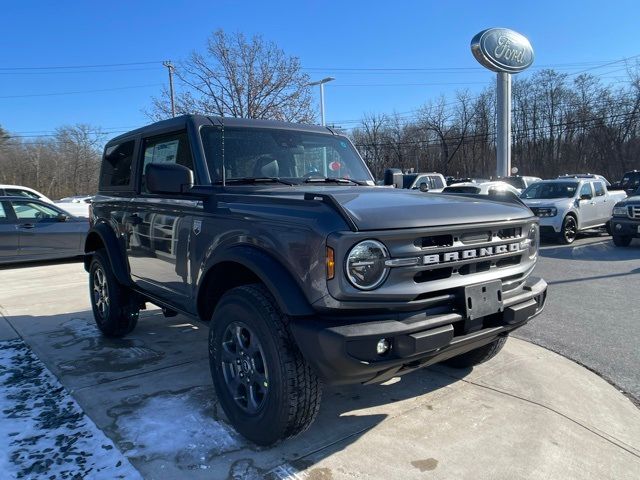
(486, 188)
(432, 182)
(586, 175)
(571, 204)
(625, 223)
(20, 191)
(77, 205)
(32, 229)
(76, 208)
(307, 273)
(520, 182)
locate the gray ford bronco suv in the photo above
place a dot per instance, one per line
(307, 273)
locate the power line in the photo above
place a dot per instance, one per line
(79, 92)
(62, 67)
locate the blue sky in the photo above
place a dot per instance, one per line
(329, 37)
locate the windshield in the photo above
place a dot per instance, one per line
(517, 182)
(288, 155)
(551, 190)
(630, 180)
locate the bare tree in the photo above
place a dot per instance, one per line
(240, 78)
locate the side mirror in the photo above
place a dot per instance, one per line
(168, 178)
(586, 196)
(62, 217)
(393, 176)
(424, 187)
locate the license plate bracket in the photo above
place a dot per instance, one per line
(483, 299)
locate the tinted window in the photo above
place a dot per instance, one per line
(599, 189)
(116, 167)
(463, 189)
(16, 192)
(173, 148)
(33, 211)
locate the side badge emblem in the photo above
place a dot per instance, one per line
(197, 226)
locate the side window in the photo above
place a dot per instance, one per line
(172, 148)
(436, 182)
(116, 166)
(599, 189)
(4, 216)
(423, 179)
(33, 211)
(586, 190)
(16, 192)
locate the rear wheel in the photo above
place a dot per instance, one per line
(115, 307)
(477, 356)
(263, 383)
(621, 240)
(569, 230)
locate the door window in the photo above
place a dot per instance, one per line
(173, 148)
(4, 216)
(116, 166)
(436, 182)
(599, 189)
(33, 211)
(586, 190)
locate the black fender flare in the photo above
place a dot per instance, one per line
(102, 234)
(275, 276)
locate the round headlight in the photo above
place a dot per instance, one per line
(534, 240)
(365, 266)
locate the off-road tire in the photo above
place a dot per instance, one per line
(477, 356)
(621, 240)
(292, 400)
(608, 228)
(120, 316)
(568, 223)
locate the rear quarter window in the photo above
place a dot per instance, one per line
(116, 166)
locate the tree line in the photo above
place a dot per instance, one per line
(67, 163)
(560, 125)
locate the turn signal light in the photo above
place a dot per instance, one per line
(331, 264)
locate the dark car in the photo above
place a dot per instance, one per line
(630, 182)
(31, 229)
(308, 274)
(625, 223)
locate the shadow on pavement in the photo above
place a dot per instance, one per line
(40, 263)
(152, 394)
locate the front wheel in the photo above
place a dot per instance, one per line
(621, 240)
(569, 230)
(115, 307)
(263, 383)
(477, 356)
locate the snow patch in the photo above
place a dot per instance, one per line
(43, 431)
(179, 427)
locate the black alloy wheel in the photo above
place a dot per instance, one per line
(244, 368)
(569, 230)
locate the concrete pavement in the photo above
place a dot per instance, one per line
(528, 413)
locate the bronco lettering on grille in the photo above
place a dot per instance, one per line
(471, 253)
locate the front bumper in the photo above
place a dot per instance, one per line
(551, 224)
(342, 349)
(625, 226)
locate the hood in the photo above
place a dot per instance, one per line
(379, 208)
(635, 200)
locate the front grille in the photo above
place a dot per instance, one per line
(634, 211)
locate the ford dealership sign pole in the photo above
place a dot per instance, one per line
(505, 52)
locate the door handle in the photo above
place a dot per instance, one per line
(25, 225)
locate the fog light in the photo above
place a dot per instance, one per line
(383, 346)
(618, 226)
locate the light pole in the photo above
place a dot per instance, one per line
(321, 83)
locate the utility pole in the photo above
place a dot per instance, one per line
(171, 69)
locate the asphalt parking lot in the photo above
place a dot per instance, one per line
(592, 313)
(150, 395)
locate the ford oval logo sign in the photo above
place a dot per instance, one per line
(502, 50)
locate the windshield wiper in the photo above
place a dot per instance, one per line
(340, 180)
(250, 180)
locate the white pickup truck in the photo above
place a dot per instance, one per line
(569, 205)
